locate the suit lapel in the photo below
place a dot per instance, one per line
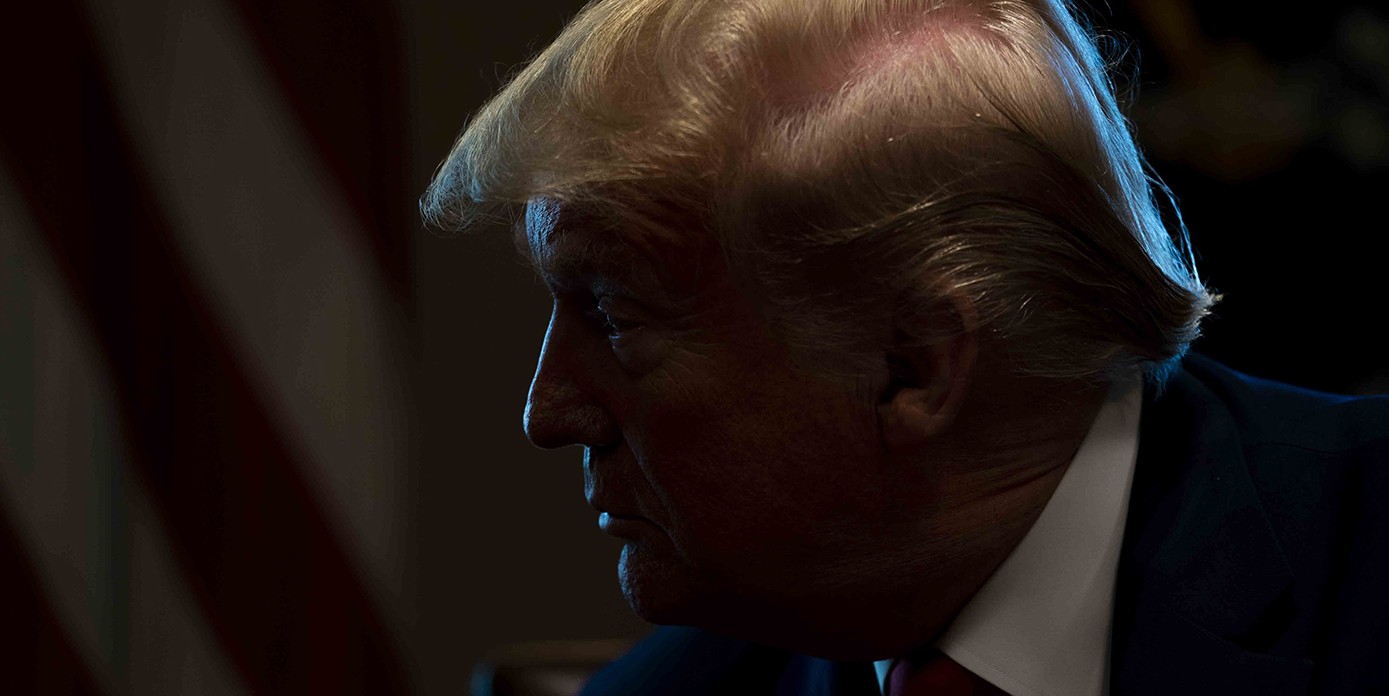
(1201, 571)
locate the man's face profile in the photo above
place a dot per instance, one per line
(731, 477)
(834, 461)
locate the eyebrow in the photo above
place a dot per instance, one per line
(610, 267)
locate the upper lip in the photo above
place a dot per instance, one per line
(597, 502)
(597, 491)
(600, 507)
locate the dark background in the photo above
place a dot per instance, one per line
(178, 508)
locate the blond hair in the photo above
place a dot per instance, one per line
(859, 161)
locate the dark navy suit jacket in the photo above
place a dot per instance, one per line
(1255, 560)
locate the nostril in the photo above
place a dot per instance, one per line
(550, 424)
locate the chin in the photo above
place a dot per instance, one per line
(659, 587)
(663, 588)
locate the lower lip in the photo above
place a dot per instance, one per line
(622, 526)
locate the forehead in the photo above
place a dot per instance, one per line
(567, 246)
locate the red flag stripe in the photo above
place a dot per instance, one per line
(272, 580)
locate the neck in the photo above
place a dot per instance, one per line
(1013, 433)
(970, 500)
(951, 516)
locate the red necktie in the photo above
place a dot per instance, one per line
(935, 674)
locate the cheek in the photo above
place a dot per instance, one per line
(770, 473)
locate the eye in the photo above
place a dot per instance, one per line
(616, 326)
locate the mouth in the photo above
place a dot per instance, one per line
(625, 527)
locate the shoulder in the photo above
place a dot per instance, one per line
(1318, 463)
(1238, 472)
(1309, 456)
(1272, 413)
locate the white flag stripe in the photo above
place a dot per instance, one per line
(279, 258)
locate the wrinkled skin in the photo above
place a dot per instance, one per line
(769, 504)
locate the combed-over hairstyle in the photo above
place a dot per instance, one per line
(859, 162)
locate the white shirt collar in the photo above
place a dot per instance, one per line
(1039, 626)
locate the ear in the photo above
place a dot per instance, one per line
(927, 384)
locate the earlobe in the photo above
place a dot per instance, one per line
(927, 384)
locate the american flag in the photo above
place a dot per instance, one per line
(205, 348)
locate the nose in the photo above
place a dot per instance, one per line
(560, 408)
